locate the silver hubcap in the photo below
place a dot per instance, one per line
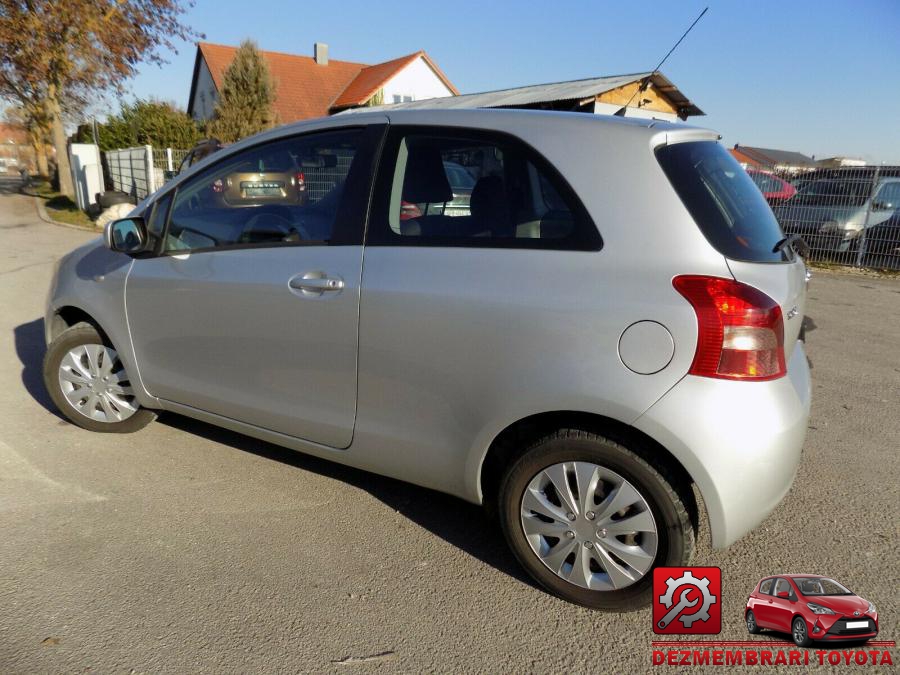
(95, 384)
(589, 525)
(799, 631)
(751, 624)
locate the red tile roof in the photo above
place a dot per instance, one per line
(373, 78)
(305, 89)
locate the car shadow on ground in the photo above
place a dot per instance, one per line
(464, 525)
(30, 348)
(461, 524)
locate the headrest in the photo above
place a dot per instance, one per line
(425, 180)
(489, 203)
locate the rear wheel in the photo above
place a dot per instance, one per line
(589, 519)
(752, 626)
(87, 381)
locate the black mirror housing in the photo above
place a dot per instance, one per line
(127, 235)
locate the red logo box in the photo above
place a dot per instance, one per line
(687, 600)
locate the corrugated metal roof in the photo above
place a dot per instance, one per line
(574, 90)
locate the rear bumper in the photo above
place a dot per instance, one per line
(739, 441)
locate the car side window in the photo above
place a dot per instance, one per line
(279, 193)
(782, 585)
(766, 586)
(447, 187)
(889, 195)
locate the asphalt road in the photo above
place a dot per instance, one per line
(188, 548)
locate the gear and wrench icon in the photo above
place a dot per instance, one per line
(687, 579)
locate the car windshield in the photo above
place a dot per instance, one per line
(847, 192)
(820, 586)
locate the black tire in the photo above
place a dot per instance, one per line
(800, 632)
(113, 197)
(655, 484)
(84, 334)
(752, 626)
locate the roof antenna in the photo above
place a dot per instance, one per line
(645, 81)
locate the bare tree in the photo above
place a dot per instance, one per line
(58, 51)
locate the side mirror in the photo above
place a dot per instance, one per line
(784, 594)
(128, 235)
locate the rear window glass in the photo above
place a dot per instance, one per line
(723, 200)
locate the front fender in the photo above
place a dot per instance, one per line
(92, 280)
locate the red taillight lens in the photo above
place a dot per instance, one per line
(301, 181)
(409, 210)
(740, 329)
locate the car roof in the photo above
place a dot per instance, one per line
(529, 122)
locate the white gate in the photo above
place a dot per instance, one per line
(131, 170)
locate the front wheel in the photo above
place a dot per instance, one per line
(800, 633)
(589, 518)
(87, 381)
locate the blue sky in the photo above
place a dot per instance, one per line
(818, 76)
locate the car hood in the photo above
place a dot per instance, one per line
(842, 604)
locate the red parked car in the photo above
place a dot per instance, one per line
(774, 189)
(811, 608)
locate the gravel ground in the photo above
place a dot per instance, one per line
(188, 548)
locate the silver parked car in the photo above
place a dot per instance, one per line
(616, 319)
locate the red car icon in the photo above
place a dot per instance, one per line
(811, 608)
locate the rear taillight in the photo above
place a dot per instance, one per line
(740, 329)
(409, 210)
(301, 181)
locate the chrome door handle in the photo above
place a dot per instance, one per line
(316, 283)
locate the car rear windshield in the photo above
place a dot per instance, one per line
(847, 192)
(723, 200)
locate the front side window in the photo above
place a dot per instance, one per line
(285, 192)
(783, 586)
(458, 188)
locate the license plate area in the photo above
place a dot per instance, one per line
(262, 189)
(857, 624)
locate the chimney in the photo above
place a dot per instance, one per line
(320, 52)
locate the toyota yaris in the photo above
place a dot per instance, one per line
(811, 608)
(614, 318)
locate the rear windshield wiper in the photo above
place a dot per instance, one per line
(795, 241)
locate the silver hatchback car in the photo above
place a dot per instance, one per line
(617, 318)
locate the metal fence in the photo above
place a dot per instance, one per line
(132, 170)
(169, 159)
(846, 215)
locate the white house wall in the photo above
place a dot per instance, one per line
(417, 80)
(205, 94)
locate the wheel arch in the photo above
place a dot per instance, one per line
(511, 441)
(67, 316)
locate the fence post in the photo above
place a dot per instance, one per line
(861, 246)
(170, 165)
(151, 170)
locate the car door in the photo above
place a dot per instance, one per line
(783, 608)
(250, 309)
(762, 604)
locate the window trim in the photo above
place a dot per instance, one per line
(584, 237)
(355, 201)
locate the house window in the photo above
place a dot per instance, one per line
(402, 98)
